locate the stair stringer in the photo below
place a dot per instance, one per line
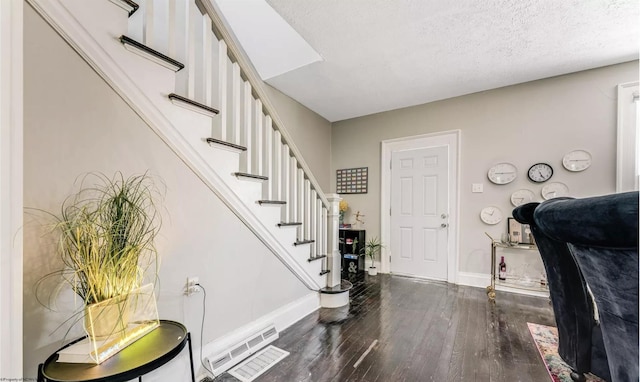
(96, 42)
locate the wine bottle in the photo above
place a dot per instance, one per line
(502, 274)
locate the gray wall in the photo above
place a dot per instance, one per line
(524, 124)
(74, 123)
(310, 132)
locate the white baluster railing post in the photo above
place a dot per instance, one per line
(268, 159)
(323, 235)
(259, 148)
(222, 89)
(293, 191)
(307, 210)
(148, 26)
(277, 166)
(192, 19)
(236, 102)
(314, 221)
(333, 253)
(247, 140)
(300, 208)
(208, 37)
(285, 180)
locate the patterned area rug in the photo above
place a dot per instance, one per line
(546, 339)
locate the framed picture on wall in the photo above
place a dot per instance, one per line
(519, 233)
(352, 180)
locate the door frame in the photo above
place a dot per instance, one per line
(11, 165)
(450, 139)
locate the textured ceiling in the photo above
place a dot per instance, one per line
(381, 55)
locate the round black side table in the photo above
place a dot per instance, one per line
(155, 349)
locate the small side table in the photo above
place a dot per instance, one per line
(155, 349)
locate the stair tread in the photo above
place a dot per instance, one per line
(252, 176)
(191, 102)
(344, 286)
(290, 224)
(225, 143)
(128, 40)
(278, 202)
(316, 258)
(300, 242)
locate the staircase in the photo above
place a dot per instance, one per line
(177, 66)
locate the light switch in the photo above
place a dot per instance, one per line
(476, 187)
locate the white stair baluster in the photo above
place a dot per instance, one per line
(147, 29)
(222, 88)
(307, 209)
(268, 158)
(236, 103)
(293, 191)
(172, 31)
(259, 134)
(300, 193)
(190, 64)
(247, 109)
(313, 214)
(160, 27)
(285, 190)
(207, 70)
(323, 235)
(277, 165)
(179, 17)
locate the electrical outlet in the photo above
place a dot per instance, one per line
(191, 286)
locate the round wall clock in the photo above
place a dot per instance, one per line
(491, 215)
(540, 172)
(521, 197)
(554, 190)
(577, 160)
(502, 173)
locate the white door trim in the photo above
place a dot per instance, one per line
(11, 159)
(626, 153)
(445, 138)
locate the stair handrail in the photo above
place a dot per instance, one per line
(235, 52)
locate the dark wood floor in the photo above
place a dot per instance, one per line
(425, 331)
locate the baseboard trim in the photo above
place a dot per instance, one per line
(282, 318)
(482, 280)
(478, 280)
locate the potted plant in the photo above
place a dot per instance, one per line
(371, 248)
(105, 239)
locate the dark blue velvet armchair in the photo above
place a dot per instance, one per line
(579, 337)
(602, 233)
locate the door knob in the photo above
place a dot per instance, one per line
(444, 216)
(444, 225)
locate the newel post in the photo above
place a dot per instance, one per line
(333, 253)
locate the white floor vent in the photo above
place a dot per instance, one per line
(222, 362)
(258, 364)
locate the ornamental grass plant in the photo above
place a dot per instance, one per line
(106, 236)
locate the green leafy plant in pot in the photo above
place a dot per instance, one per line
(371, 248)
(106, 242)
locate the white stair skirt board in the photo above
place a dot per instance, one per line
(258, 364)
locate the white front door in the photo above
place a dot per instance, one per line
(420, 212)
